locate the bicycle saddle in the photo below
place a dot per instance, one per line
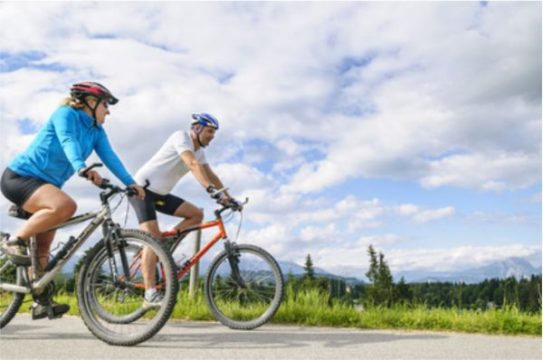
(18, 212)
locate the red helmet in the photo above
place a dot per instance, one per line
(88, 88)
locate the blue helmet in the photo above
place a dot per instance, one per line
(205, 120)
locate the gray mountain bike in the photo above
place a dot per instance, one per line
(105, 282)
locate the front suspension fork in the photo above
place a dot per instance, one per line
(113, 239)
(233, 255)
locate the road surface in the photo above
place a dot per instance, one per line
(68, 338)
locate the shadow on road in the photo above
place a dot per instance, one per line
(196, 336)
(34, 330)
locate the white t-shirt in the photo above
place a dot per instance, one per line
(166, 168)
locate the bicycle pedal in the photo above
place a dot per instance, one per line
(54, 317)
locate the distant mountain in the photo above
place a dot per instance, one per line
(295, 269)
(298, 270)
(516, 267)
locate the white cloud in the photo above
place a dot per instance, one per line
(501, 218)
(496, 171)
(424, 215)
(429, 215)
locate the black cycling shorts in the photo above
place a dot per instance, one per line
(146, 209)
(17, 188)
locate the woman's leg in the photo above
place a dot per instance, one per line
(44, 244)
(50, 206)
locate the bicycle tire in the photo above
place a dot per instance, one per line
(135, 262)
(244, 308)
(97, 293)
(10, 301)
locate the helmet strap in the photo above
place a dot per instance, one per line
(197, 131)
(93, 109)
(199, 142)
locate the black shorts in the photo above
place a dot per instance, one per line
(146, 209)
(17, 188)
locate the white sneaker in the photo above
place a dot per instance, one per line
(152, 302)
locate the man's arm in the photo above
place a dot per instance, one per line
(214, 178)
(196, 168)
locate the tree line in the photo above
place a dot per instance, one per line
(523, 294)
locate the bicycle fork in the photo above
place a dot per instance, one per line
(233, 259)
(111, 238)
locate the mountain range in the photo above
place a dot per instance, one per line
(514, 266)
(510, 267)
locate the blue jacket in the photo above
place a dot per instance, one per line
(62, 146)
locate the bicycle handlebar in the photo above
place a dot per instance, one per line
(232, 205)
(107, 185)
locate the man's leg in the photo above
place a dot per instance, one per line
(149, 259)
(191, 214)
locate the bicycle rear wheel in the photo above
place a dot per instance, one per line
(111, 300)
(244, 287)
(10, 301)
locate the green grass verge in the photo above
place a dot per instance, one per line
(310, 308)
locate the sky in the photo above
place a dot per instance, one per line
(412, 127)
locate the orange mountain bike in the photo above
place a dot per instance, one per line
(244, 284)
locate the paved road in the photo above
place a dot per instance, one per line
(68, 338)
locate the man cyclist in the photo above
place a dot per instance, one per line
(33, 180)
(182, 152)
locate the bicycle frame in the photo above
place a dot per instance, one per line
(196, 257)
(177, 236)
(101, 217)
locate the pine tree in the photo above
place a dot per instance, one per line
(308, 268)
(386, 283)
(381, 290)
(374, 267)
(403, 293)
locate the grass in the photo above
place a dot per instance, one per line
(311, 308)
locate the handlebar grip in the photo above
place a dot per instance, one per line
(89, 168)
(105, 184)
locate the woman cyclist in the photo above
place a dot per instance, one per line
(33, 180)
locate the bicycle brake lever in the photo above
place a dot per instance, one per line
(105, 184)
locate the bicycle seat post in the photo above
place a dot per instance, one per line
(34, 258)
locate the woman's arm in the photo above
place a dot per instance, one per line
(111, 160)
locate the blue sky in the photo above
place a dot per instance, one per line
(415, 127)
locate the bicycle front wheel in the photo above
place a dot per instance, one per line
(111, 290)
(10, 301)
(244, 287)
